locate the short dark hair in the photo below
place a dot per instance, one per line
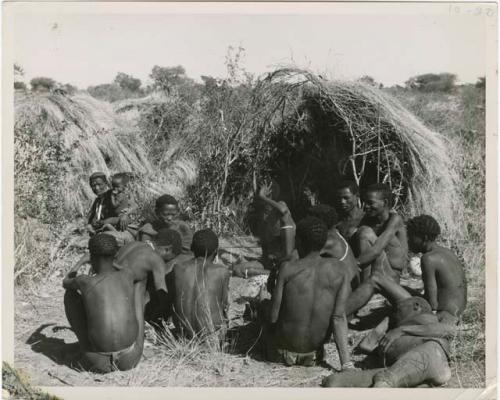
(98, 175)
(167, 237)
(165, 199)
(205, 243)
(424, 226)
(103, 245)
(123, 176)
(312, 232)
(424, 304)
(325, 213)
(381, 188)
(348, 184)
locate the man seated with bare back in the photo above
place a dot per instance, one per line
(415, 349)
(336, 246)
(105, 310)
(307, 303)
(200, 289)
(445, 286)
(348, 208)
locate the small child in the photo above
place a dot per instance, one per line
(445, 286)
(99, 185)
(167, 217)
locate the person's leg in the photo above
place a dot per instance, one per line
(370, 342)
(77, 317)
(392, 290)
(364, 239)
(360, 296)
(447, 318)
(361, 379)
(424, 363)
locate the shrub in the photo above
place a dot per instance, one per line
(42, 84)
(20, 86)
(443, 82)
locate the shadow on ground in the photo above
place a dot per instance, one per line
(54, 348)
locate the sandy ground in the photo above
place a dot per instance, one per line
(45, 346)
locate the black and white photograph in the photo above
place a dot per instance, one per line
(289, 195)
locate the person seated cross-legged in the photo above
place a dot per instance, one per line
(445, 285)
(415, 349)
(307, 302)
(104, 310)
(200, 289)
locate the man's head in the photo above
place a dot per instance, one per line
(409, 308)
(377, 199)
(102, 247)
(346, 196)
(205, 244)
(325, 213)
(422, 230)
(98, 183)
(168, 243)
(119, 182)
(167, 208)
(311, 235)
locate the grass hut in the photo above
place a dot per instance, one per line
(309, 133)
(60, 140)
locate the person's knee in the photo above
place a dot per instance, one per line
(366, 233)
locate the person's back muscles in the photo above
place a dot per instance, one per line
(103, 312)
(200, 288)
(309, 299)
(444, 279)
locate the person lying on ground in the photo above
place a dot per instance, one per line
(347, 205)
(380, 242)
(416, 349)
(105, 310)
(99, 185)
(167, 216)
(307, 303)
(336, 246)
(445, 286)
(200, 289)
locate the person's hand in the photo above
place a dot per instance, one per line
(348, 366)
(123, 222)
(389, 338)
(265, 190)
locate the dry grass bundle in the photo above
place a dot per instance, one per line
(362, 133)
(86, 136)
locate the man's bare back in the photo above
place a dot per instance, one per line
(310, 288)
(200, 296)
(338, 248)
(449, 279)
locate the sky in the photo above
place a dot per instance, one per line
(91, 48)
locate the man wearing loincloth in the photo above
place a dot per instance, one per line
(445, 287)
(416, 349)
(307, 303)
(105, 310)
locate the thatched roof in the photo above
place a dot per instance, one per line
(94, 138)
(355, 130)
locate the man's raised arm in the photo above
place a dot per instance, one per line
(371, 254)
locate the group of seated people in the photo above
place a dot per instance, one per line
(325, 268)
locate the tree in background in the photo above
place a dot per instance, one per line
(42, 84)
(18, 74)
(444, 82)
(370, 81)
(481, 82)
(19, 85)
(127, 82)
